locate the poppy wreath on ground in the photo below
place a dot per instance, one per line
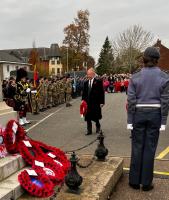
(13, 134)
(50, 168)
(3, 151)
(39, 186)
(54, 154)
(29, 150)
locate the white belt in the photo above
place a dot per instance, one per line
(148, 105)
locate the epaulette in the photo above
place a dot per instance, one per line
(165, 73)
(137, 70)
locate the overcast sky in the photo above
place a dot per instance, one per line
(23, 21)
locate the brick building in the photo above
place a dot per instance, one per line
(164, 59)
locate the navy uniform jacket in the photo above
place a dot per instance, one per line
(149, 86)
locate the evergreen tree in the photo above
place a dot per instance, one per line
(105, 62)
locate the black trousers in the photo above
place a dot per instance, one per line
(145, 136)
(89, 125)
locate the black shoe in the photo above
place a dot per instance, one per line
(68, 105)
(147, 187)
(134, 186)
(36, 113)
(88, 133)
(97, 130)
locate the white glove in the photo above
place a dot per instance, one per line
(82, 116)
(129, 126)
(28, 90)
(163, 127)
(34, 91)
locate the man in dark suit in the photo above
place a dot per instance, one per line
(93, 94)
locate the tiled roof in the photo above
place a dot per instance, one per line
(44, 53)
(5, 56)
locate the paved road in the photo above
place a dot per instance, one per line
(63, 127)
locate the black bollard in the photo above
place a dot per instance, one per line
(73, 180)
(101, 152)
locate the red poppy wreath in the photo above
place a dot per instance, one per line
(29, 150)
(51, 169)
(13, 134)
(83, 108)
(54, 154)
(36, 183)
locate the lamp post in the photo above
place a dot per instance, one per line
(67, 58)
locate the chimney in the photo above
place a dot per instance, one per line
(158, 42)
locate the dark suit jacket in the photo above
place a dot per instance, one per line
(94, 99)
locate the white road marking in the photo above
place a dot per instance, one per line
(42, 120)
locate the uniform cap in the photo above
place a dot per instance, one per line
(152, 52)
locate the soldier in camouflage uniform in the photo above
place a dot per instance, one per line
(35, 106)
(42, 94)
(58, 91)
(55, 93)
(68, 91)
(61, 91)
(45, 92)
(49, 93)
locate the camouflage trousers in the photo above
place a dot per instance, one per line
(42, 102)
(68, 97)
(49, 101)
(62, 97)
(55, 99)
(35, 105)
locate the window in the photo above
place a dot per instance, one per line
(58, 62)
(58, 70)
(53, 70)
(53, 62)
(7, 68)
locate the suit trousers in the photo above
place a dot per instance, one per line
(145, 134)
(89, 125)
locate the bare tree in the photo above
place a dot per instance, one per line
(130, 43)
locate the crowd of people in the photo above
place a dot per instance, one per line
(116, 83)
(44, 94)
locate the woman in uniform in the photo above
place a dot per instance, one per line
(148, 100)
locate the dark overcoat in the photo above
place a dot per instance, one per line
(94, 99)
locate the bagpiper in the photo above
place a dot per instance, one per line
(22, 96)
